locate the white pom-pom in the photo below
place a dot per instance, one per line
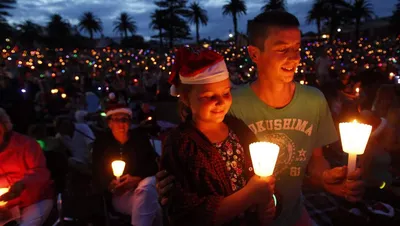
(173, 91)
(111, 96)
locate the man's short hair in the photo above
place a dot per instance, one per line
(257, 29)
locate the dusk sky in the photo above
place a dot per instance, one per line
(39, 12)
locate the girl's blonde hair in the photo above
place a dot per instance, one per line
(184, 111)
(5, 120)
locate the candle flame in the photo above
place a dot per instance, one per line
(357, 90)
(118, 167)
(2, 192)
(355, 121)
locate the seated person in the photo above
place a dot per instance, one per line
(78, 139)
(147, 119)
(376, 159)
(134, 193)
(23, 170)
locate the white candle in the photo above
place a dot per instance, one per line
(2, 192)
(354, 137)
(118, 167)
(264, 156)
(357, 91)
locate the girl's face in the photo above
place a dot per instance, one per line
(209, 103)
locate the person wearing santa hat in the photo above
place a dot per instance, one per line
(134, 193)
(294, 116)
(208, 153)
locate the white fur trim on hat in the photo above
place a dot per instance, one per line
(119, 110)
(380, 128)
(173, 91)
(216, 73)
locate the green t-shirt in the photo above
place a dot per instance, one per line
(304, 124)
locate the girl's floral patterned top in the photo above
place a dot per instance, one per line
(232, 153)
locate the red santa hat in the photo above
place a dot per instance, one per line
(117, 108)
(197, 66)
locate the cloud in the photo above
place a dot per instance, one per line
(39, 11)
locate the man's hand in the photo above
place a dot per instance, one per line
(15, 191)
(266, 212)
(337, 182)
(125, 183)
(165, 183)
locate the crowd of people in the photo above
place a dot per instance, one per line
(92, 107)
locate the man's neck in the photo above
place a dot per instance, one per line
(276, 95)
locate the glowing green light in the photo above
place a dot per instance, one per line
(103, 114)
(42, 144)
(383, 185)
(275, 199)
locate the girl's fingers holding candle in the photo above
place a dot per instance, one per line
(355, 175)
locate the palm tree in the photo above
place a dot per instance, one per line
(125, 23)
(336, 12)
(235, 8)
(274, 5)
(196, 16)
(395, 20)
(58, 30)
(4, 6)
(361, 9)
(316, 14)
(176, 27)
(90, 23)
(158, 23)
(29, 33)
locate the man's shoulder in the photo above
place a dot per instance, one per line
(310, 92)
(241, 91)
(240, 97)
(19, 138)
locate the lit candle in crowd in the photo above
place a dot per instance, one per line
(118, 167)
(357, 91)
(391, 75)
(2, 192)
(354, 137)
(264, 156)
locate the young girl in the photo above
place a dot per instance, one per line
(208, 153)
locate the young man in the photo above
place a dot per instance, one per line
(295, 117)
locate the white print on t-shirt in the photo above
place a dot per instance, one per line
(287, 150)
(295, 171)
(302, 155)
(288, 154)
(282, 124)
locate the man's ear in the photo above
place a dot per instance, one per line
(254, 53)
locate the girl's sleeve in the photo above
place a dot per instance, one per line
(189, 202)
